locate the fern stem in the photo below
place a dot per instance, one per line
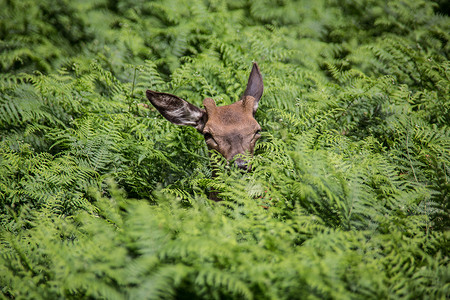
(132, 89)
(409, 156)
(415, 177)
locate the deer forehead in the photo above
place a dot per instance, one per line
(233, 118)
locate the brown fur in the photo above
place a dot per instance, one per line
(230, 129)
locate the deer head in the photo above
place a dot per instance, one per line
(230, 129)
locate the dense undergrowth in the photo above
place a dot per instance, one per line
(103, 198)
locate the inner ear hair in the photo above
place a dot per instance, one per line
(255, 86)
(177, 110)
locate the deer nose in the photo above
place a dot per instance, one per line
(241, 164)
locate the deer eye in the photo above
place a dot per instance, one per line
(209, 138)
(207, 135)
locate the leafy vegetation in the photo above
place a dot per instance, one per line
(103, 198)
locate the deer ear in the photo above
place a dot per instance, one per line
(177, 110)
(255, 86)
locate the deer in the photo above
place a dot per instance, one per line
(231, 130)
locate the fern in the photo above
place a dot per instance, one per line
(102, 198)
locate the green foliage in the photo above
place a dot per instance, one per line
(101, 197)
